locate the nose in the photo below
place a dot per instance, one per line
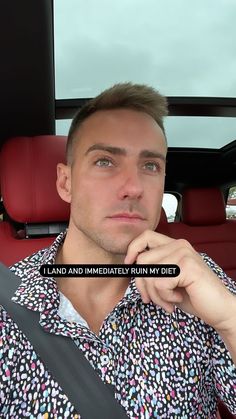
(130, 185)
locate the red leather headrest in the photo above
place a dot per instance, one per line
(163, 217)
(203, 206)
(163, 225)
(28, 178)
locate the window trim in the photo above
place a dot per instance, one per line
(178, 106)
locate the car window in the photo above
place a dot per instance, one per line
(145, 42)
(170, 204)
(231, 204)
(185, 131)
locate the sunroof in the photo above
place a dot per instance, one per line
(203, 132)
(183, 48)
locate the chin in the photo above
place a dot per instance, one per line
(119, 245)
(116, 248)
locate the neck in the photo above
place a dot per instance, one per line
(79, 249)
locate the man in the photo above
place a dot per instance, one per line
(168, 345)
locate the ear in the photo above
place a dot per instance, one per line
(63, 182)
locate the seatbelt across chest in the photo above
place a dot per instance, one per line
(90, 396)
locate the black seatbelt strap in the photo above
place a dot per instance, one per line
(79, 381)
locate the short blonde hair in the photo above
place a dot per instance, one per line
(138, 97)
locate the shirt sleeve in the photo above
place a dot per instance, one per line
(7, 362)
(224, 369)
(224, 373)
(230, 283)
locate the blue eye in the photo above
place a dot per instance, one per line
(153, 167)
(103, 163)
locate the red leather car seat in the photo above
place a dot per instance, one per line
(205, 226)
(28, 177)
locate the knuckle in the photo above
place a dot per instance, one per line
(146, 234)
(184, 243)
(130, 246)
(186, 262)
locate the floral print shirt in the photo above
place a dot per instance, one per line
(161, 365)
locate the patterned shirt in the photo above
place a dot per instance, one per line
(162, 365)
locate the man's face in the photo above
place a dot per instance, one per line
(117, 178)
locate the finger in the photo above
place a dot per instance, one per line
(148, 239)
(165, 288)
(140, 284)
(157, 300)
(171, 296)
(174, 251)
(154, 297)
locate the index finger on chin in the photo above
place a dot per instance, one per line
(147, 240)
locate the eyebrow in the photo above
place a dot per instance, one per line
(122, 152)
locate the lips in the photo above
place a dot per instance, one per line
(129, 216)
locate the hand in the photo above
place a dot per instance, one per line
(196, 290)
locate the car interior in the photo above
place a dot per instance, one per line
(201, 178)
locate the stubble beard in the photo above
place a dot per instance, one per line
(109, 244)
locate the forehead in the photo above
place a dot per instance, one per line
(129, 129)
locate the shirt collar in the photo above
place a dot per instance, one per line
(38, 293)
